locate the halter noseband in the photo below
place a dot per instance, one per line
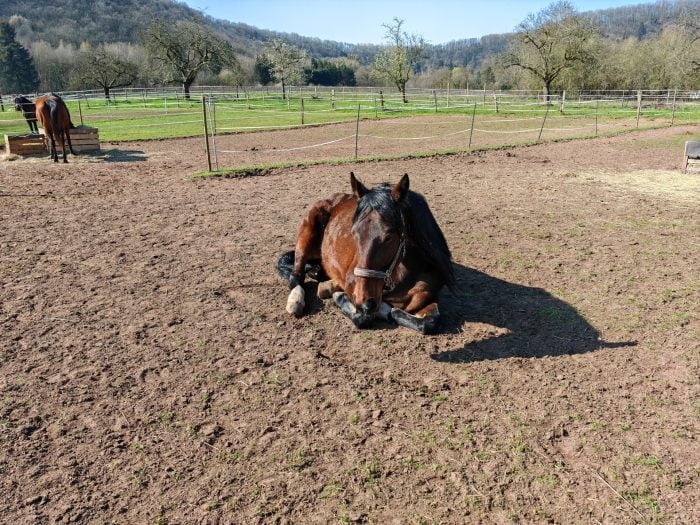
(389, 283)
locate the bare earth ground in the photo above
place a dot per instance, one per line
(149, 373)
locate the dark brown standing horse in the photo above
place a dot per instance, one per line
(381, 251)
(28, 110)
(52, 113)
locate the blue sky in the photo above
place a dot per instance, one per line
(359, 21)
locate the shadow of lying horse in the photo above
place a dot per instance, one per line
(529, 322)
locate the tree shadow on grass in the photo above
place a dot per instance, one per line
(531, 322)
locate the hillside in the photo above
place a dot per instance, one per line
(124, 21)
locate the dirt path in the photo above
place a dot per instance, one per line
(148, 370)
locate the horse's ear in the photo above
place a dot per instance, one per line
(399, 192)
(358, 189)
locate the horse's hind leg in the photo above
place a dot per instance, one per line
(54, 155)
(62, 136)
(70, 144)
(308, 247)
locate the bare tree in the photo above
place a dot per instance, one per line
(186, 48)
(396, 62)
(550, 42)
(287, 62)
(103, 67)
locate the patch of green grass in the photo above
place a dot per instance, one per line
(332, 490)
(647, 460)
(548, 480)
(643, 497)
(372, 471)
(299, 460)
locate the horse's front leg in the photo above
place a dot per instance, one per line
(426, 321)
(308, 246)
(359, 318)
(421, 311)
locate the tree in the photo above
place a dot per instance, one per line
(101, 67)
(185, 49)
(329, 73)
(550, 42)
(262, 70)
(17, 71)
(396, 63)
(286, 61)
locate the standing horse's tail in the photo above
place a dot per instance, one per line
(285, 266)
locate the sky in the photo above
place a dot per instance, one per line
(360, 21)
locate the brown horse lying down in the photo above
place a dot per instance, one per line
(52, 113)
(381, 251)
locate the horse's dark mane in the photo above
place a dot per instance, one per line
(421, 226)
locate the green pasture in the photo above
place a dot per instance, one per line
(143, 118)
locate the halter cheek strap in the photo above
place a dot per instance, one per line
(389, 284)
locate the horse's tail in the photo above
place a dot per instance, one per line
(54, 111)
(285, 266)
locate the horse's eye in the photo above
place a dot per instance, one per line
(389, 237)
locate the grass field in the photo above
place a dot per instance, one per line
(171, 116)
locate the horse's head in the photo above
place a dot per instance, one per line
(19, 102)
(379, 230)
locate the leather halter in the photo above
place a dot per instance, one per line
(389, 283)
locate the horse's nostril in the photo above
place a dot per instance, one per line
(368, 306)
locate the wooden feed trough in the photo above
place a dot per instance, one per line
(83, 138)
(24, 144)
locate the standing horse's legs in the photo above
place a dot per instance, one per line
(308, 247)
(62, 135)
(70, 144)
(54, 155)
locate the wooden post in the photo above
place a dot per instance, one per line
(639, 105)
(206, 132)
(2, 104)
(435, 99)
(376, 115)
(80, 110)
(357, 129)
(596, 117)
(332, 98)
(543, 121)
(302, 111)
(673, 114)
(471, 129)
(495, 102)
(563, 99)
(381, 99)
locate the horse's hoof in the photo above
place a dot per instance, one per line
(295, 301)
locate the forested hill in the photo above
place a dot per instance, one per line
(75, 21)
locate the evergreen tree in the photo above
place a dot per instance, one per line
(17, 71)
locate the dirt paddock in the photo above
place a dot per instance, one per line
(149, 372)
